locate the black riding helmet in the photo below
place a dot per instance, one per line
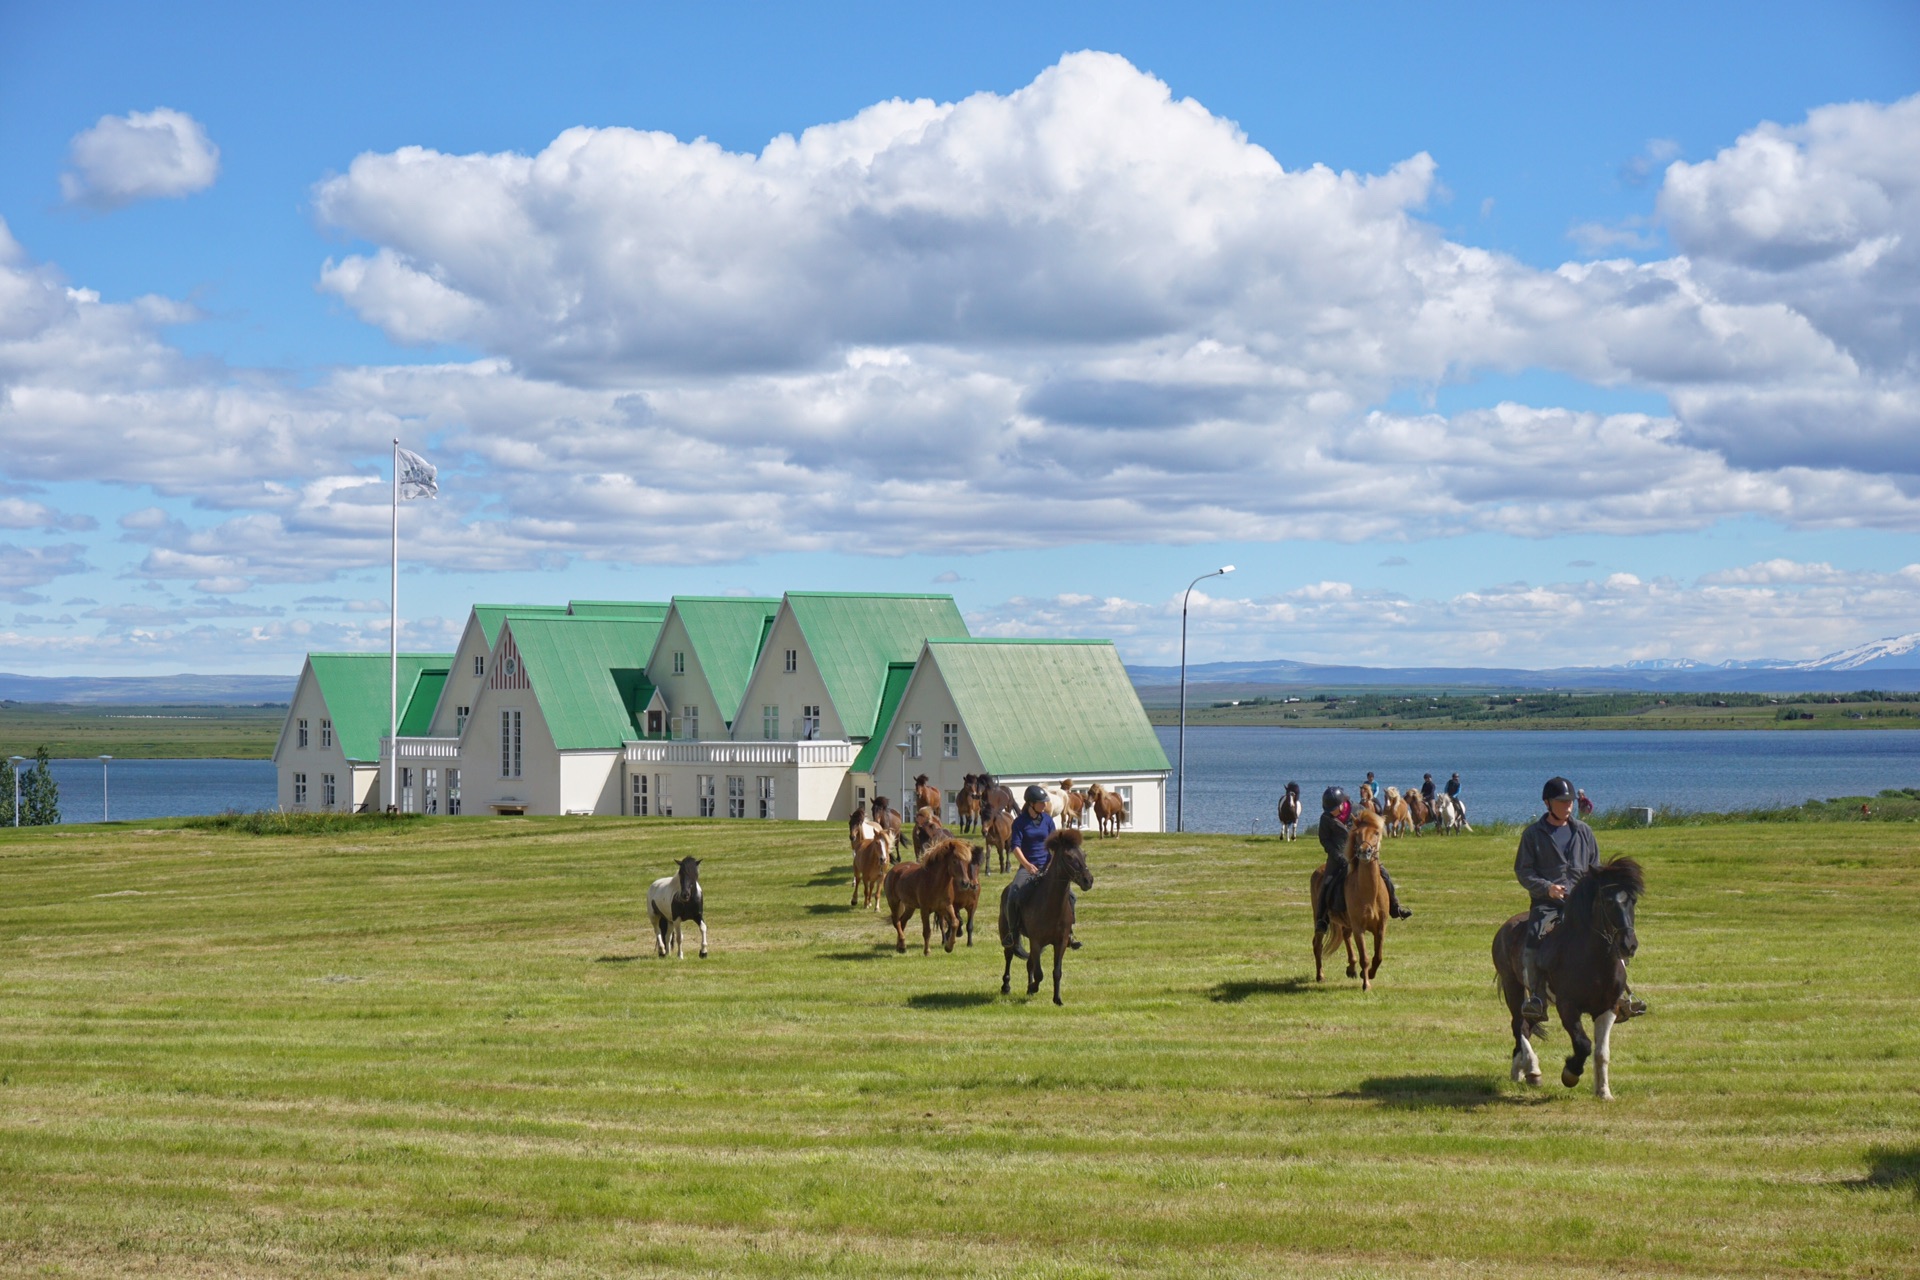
(1331, 799)
(1035, 794)
(1557, 788)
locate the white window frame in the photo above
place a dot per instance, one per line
(913, 740)
(950, 740)
(406, 789)
(642, 800)
(736, 795)
(703, 783)
(453, 793)
(460, 717)
(479, 666)
(793, 661)
(770, 722)
(430, 790)
(301, 725)
(690, 722)
(299, 790)
(809, 722)
(766, 795)
(679, 662)
(511, 759)
(326, 733)
(663, 802)
(951, 805)
(327, 791)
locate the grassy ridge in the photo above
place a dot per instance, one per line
(1529, 709)
(140, 732)
(445, 1047)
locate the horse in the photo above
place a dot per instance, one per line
(861, 828)
(1110, 811)
(928, 830)
(927, 886)
(673, 900)
(869, 866)
(1366, 798)
(1584, 962)
(887, 818)
(1363, 906)
(1041, 910)
(998, 830)
(1073, 805)
(967, 804)
(966, 896)
(993, 795)
(1399, 813)
(1447, 816)
(1290, 812)
(925, 795)
(1417, 810)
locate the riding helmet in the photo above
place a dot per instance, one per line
(1557, 788)
(1332, 798)
(1035, 794)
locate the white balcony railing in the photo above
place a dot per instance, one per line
(833, 752)
(422, 748)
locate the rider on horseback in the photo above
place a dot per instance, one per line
(1031, 827)
(1333, 838)
(1554, 853)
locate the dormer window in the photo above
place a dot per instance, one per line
(793, 661)
(479, 666)
(679, 663)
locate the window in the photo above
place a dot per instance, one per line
(509, 744)
(704, 784)
(326, 791)
(656, 723)
(859, 795)
(432, 790)
(679, 662)
(460, 717)
(766, 796)
(736, 796)
(793, 661)
(690, 723)
(663, 801)
(303, 733)
(326, 733)
(513, 666)
(913, 740)
(952, 807)
(299, 789)
(770, 723)
(1126, 798)
(642, 805)
(809, 723)
(479, 665)
(406, 791)
(453, 792)
(950, 741)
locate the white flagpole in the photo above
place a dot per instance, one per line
(393, 645)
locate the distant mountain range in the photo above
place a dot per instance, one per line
(147, 690)
(1892, 664)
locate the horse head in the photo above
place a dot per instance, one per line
(1066, 853)
(1364, 836)
(1604, 901)
(689, 875)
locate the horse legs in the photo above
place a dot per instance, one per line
(1602, 1055)
(1319, 940)
(926, 932)
(1379, 948)
(1360, 941)
(1033, 968)
(1006, 974)
(1525, 1065)
(899, 926)
(702, 922)
(1059, 950)
(1577, 1061)
(679, 944)
(1346, 936)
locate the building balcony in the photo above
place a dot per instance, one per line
(421, 748)
(828, 753)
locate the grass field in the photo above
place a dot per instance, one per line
(445, 1048)
(140, 733)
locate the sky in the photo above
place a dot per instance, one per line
(1511, 335)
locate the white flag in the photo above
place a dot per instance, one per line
(417, 476)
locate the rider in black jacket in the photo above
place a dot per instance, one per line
(1555, 852)
(1333, 839)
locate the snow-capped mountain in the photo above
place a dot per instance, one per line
(1895, 651)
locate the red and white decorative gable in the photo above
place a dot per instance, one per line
(508, 671)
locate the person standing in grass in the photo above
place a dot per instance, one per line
(1555, 852)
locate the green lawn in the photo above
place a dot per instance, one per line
(445, 1048)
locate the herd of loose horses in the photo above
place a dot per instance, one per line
(1585, 960)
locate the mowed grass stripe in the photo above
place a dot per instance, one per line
(449, 1048)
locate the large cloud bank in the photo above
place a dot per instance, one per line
(1084, 311)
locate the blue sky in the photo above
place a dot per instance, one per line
(1057, 348)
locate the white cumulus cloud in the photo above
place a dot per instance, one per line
(143, 155)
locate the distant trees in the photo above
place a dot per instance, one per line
(39, 793)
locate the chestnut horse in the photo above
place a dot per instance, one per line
(925, 795)
(928, 886)
(1363, 908)
(1417, 811)
(1041, 911)
(869, 867)
(1110, 810)
(1073, 805)
(1584, 961)
(887, 818)
(966, 896)
(998, 830)
(928, 830)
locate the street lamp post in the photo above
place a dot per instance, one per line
(103, 787)
(16, 761)
(1180, 801)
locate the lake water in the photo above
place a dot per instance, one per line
(1236, 774)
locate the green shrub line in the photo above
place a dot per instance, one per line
(276, 822)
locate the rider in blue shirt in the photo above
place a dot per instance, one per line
(1031, 827)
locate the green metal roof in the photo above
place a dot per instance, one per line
(898, 673)
(491, 615)
(355, 687)
(1044, 707)
(853, 637)
(588, 675)
(726, 633)
(641, 610)
(418, 703)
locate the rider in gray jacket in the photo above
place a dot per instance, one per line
(1555, 852)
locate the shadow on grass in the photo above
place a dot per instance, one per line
(952, 999)
(1890, 1168)
(837, 875)
(1235, 992)
(879, 949)
(827, 908)
(638, 955)
(1436, 1091)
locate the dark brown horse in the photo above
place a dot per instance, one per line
(966, 897)
(967, 804)
(994, 796)
(928, 886)
(1584, 961)
(1041, 911)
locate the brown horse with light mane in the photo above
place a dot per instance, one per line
(869, 867)
(1364, 908)
(1109, 810)
(928, 887)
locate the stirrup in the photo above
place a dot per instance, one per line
(1628, 1006)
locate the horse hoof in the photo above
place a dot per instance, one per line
(1533, 1078)
(1057, 1000)
(1006, 989)
(1604, 1097)
(1352, 972)
(1569, 1077)
(703, 953)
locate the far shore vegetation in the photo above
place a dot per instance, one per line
(1400, 708)
(169, 732)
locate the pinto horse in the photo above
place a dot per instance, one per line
(1289, 813)
(1041, 911)
(673, 900)
(928, 887)
(1362, 907)
(1584, 961)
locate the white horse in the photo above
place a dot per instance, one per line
(1450, 815)
(673, 900)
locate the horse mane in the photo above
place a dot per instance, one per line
(1062, 840)
(1619, 873)
(1364, 818)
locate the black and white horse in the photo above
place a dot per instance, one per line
(1289, 813)
(673, 900)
